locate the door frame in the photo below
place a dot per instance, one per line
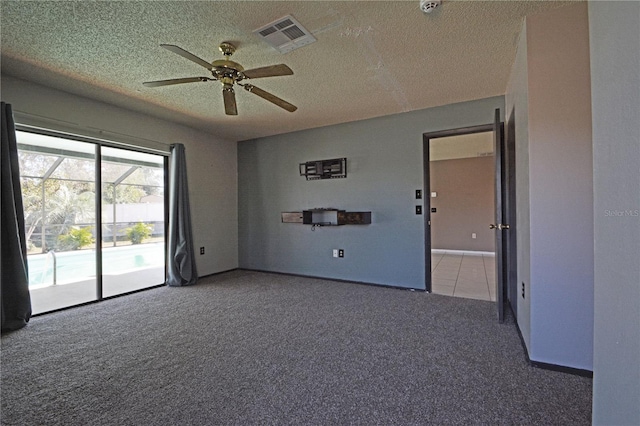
(510, 213)
(500, 215)
(426, 137)
(507, 199)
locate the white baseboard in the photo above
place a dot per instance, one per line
(466, 252)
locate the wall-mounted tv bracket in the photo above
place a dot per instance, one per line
(324, 169)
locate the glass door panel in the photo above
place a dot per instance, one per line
(133, 249)
(58, 190)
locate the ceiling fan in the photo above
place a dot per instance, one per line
(229, 73)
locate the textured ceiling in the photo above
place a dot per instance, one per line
(371, 58)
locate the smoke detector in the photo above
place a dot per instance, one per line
(428, 6)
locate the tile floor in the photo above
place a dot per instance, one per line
(470, 275)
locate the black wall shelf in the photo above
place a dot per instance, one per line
(327, 217)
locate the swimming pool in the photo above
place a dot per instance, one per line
(80, 265)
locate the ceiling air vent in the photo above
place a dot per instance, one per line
(285, 34)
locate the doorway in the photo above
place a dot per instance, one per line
(504, 207)
(461, 195)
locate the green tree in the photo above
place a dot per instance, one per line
(57, 207)
(32, 199)
(125, 194)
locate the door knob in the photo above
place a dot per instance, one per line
(499, 226)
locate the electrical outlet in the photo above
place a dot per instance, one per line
(201, 250)
(473, 235)
(335, 252)
(340, 253)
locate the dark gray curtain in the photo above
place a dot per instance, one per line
(14, 275)
(181, 260)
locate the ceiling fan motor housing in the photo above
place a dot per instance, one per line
(227, 71)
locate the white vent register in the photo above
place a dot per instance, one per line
(285, 34)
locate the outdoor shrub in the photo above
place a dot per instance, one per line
(139, 232)
(75, 239)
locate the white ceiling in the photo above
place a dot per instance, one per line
(371, 58)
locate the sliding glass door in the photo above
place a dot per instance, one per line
(58, 192)
(59, 179)
(132, 220)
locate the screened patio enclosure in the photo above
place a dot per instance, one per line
(65, 217)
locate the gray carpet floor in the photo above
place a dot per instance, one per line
(249, 348)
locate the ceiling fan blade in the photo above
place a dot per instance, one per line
(190, 56)
(271, 98)
(175, 81)
(229, 97)
(270, 71)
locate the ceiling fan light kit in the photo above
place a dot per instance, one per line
(229, 73)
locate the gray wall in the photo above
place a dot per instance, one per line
(385, 167)
(211, 161)
(464, 202)
(615, 85)
(557, 176)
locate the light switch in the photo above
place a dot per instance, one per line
(434, 194)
